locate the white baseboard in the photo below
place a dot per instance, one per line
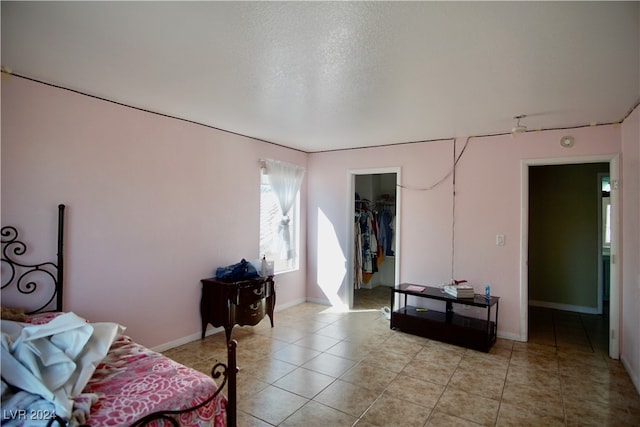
(320, 301)
(280, 307)
(510, 336)
(564, 307)
(184, 340)
(193, 337)
(633, 375)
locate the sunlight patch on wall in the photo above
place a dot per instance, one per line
(331, 262)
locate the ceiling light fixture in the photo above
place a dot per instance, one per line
(518, 128)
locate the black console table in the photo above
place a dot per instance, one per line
(236, 303)
(446, 326)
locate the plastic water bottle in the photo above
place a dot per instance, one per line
(487, 292)
(263, 266)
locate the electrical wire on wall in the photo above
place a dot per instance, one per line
(452, 173)
(444, 178)
(457, 158)
(453, 212)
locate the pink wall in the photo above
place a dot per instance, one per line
(154, 205)
(488, 202)
(329, 199)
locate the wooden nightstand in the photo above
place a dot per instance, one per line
(236, 303)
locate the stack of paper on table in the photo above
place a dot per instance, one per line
(459, 291)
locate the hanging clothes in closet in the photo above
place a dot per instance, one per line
(386, 227)
(369, 229)
(373, 234)
(357, 256)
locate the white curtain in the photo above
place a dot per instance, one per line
(285, 180)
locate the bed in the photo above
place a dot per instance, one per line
(59, 369)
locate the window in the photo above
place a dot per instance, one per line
(606, 205)
(272, 244)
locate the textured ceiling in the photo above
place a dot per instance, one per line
(320, 76)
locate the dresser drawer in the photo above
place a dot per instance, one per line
(250, 314)
(253, 292)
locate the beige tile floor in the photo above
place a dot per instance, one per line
(317, 367)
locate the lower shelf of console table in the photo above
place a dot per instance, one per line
(446, 326)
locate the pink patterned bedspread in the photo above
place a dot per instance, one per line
(133, 381)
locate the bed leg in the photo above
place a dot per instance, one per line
(231, 392)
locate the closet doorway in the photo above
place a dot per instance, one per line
(373, 219)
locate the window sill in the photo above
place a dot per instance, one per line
(292, 270)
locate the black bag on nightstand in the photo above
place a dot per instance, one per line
(243, 270)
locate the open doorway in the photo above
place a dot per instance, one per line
(374, 244)
(564, 254)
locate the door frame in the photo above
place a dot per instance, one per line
(614, 291)
(351, 202)
(601, 214)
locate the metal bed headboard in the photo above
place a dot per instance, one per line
(18, 274)
(27, 278)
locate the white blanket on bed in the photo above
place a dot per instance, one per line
(55, 360)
